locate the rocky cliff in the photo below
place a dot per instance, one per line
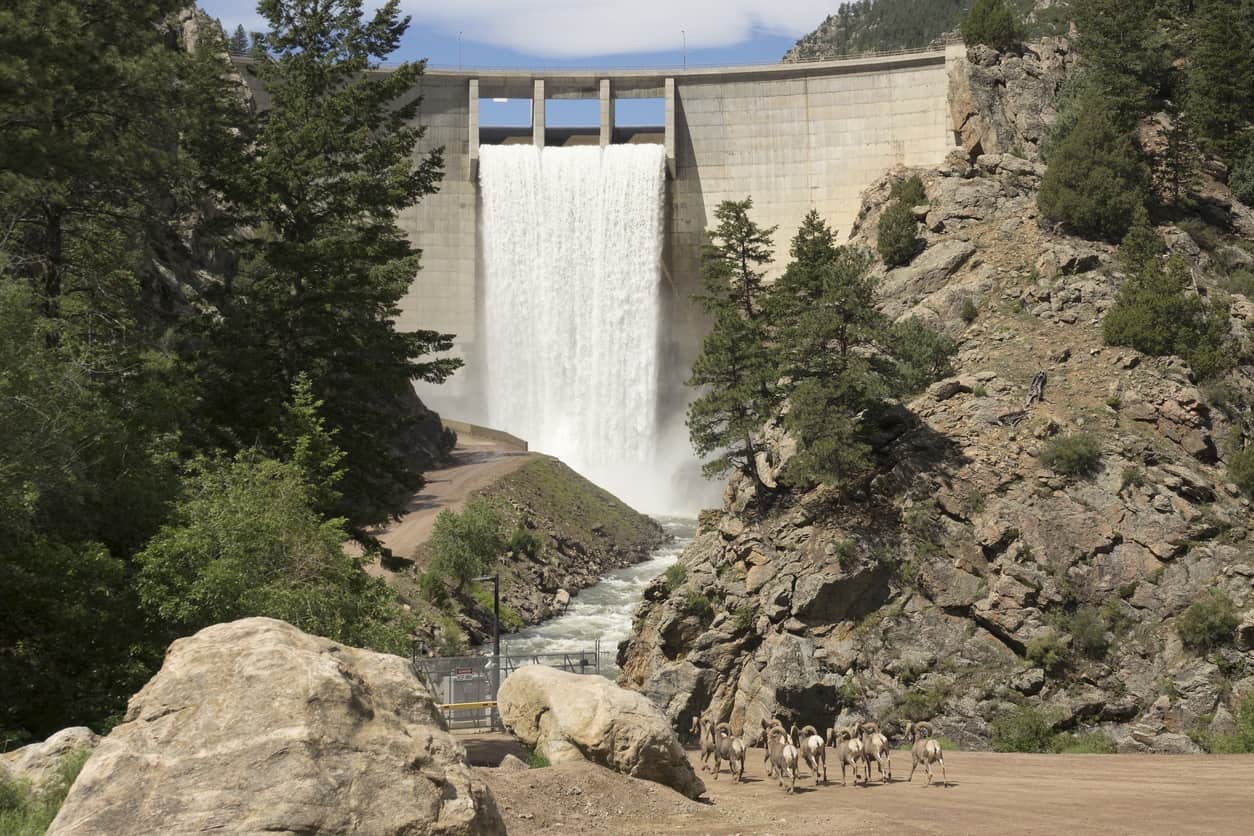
(968, 581)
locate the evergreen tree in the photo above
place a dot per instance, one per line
(735, 368)
(1141, 245)
(321, 180)
(1221, 70)
(1124, 53)
(896, 239)
(238, 43)
(1176, 166)
(992, 23)
(1096, 176)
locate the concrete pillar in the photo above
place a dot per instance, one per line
(670, 127)
(607, 114)
(472, 171)
(537, 112)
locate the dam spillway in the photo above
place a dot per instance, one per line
(571, 247)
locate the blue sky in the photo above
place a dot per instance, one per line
(585, 33)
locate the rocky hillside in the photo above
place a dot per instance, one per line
(970, 583)
(884, 25)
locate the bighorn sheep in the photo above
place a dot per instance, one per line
(782, 756)
(924, 749)
(876, 750)
(810, 746)
(767, 727)
(702, 726)
(848, 748)
(728, 748)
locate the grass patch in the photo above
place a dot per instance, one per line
(24, 812)
(1083, 743)
(1238, 742)
(675, 576)
(1077, 454)
(511, 621)
(698, 604)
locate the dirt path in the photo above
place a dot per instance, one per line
(988, 794)
(475, 464)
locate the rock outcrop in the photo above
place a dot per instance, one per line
(567, 717)
(953, 584)
(254, 726)
(39, 763)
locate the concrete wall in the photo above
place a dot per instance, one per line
(791, 136)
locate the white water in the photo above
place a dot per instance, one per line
(603, 611)
(572, 248)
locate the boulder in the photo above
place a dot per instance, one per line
(568, 716)
(37, 763)
(254, 726)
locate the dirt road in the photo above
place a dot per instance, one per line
(475, 464)
(988, 794)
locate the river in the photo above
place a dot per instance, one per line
(604, 610)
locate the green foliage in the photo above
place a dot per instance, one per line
(1155, 314)
(238, 42)
(1022, 729)
(676, 574)
(1209, 622)
(432, 588)
(1220, 71)
(969, 312)
(896, 239)
(244, 540)
(1241, 180)
(697, 603)
(848, 694)
(466, 545)
(734, 368)
(525, 543)
(1088, 633)
(1097, 176)
(537, 760)
(24, 812)
(450, 640)
(922, 356)
(742, 619)
(920, 704)
(1083, 743)
(846, 553)
(1078, 454)
(511, 621)
(1122, 49)
(1142, 245)
(1241, 740)
(1132, 476)
(909, 191)
(1241, 469)
(1047, 650)
(991, 23)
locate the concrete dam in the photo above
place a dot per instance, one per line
(791, 136)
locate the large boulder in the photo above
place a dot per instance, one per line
(39, 763)
(568, 716)
(254, 727)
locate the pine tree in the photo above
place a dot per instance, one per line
(238, 43)
(992, 23)
(735, 368)
(1221, 70)
(1123, 52)
(326, 171)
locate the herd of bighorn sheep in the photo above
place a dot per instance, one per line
(855, 746)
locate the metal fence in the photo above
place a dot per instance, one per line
(465, 687)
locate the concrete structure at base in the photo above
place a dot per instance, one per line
(791, 136)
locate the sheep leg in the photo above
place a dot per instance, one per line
(914, 764)
(944, 775)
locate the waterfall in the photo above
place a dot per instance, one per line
(572, 245)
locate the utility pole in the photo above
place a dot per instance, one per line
(684, 34)
(496, 632)
(459, 50)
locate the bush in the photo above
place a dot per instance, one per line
(1241, 180)
(896, 242)
(1209, 622)
(1241, 740)
(525, 543)
(969, 312)
(743, 618)
(432, 588)
(1083, 743)
(23, 811)
(846, 553)
(1097, 175)
(1072, 455)
(676, 574)
(909, 191)
(1088, 633)
(1241, 469)
(466, 545)
(1022, 729)
(537, 760)
(1239, 281)
(991, 23)
(511, 621)
(920, 704)
(1047, 650)
(698, 604)
(1156, 315)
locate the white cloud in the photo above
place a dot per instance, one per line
(582, 28)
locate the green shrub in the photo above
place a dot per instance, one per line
(676, 574)
(1072, 455)
(466, 545)
(1241, 740)
(1083, 743)
(1141, 244)
(991, 23)
(511, 621)
(1208, 622)
(1241, 469)
(1097, 175)
(1155, 314)
(896, 242)
(24, 812)
(525, 543)
(969, 312)
(698, 604)
(1088, 633)
(537, 760)
(909, 191)
(1239, 281)
(1047, 650)
(742, 620)
(920, 704)
(1241, 180)
(846, 553)
(1022, 729)
(432, 588)
(451, 641)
